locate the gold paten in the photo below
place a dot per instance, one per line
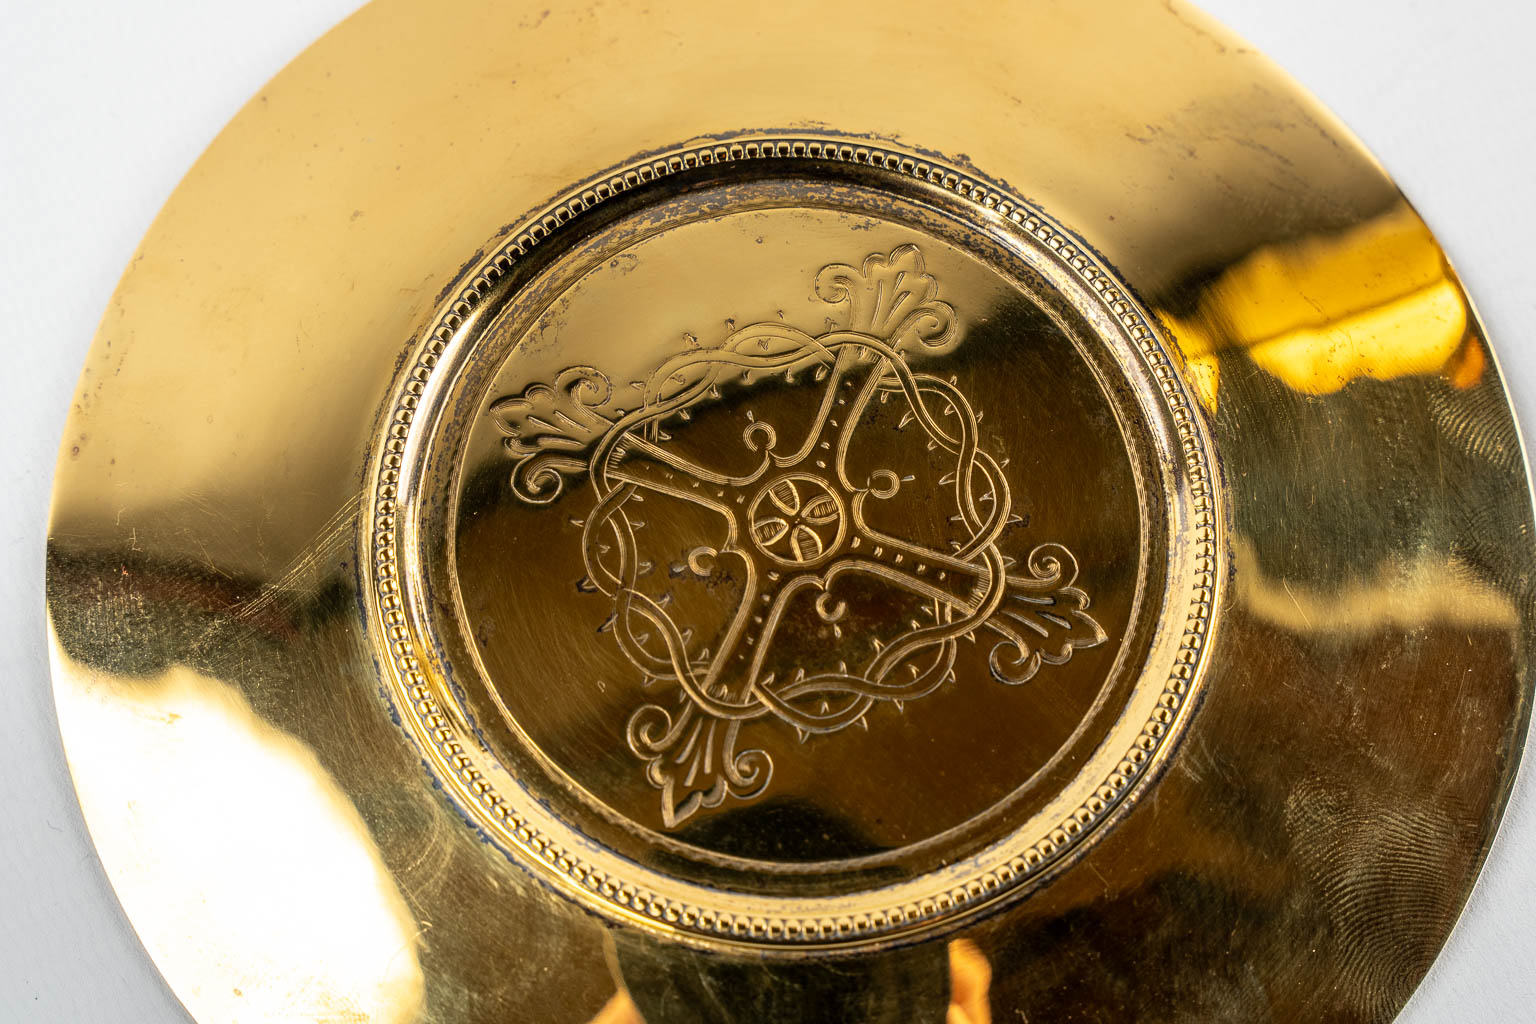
(634, 515)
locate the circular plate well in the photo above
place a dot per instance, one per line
(876, 532)
(829, 533)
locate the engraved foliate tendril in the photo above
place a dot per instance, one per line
(547, 427)
(715, 768)
(1048, 626)
(893, 298)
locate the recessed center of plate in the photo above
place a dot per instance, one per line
(792, 538)
(798, 516)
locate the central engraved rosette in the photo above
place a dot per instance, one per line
(860, 569)
(797, 519)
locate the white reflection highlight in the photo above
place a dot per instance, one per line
(251, 879)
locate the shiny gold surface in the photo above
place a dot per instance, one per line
(460, 419)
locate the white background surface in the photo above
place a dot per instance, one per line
(103, 106)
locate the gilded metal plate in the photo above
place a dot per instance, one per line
(1016, 539)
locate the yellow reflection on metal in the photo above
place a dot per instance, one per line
(1402, 594)
(1375, 301)
(270, 901)
(970, 990)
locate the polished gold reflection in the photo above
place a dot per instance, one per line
(970, 988)
(269, 825)
(1398, 595)
(1375, 301)
(246, 871)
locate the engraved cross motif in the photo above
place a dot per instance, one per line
(796, 508)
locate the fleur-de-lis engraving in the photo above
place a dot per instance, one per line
(794, 529)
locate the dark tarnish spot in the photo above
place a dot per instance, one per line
(463, 271)
(624, 263)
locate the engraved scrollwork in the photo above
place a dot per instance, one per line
(793, 523)
(891, 297)
(548, 427)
